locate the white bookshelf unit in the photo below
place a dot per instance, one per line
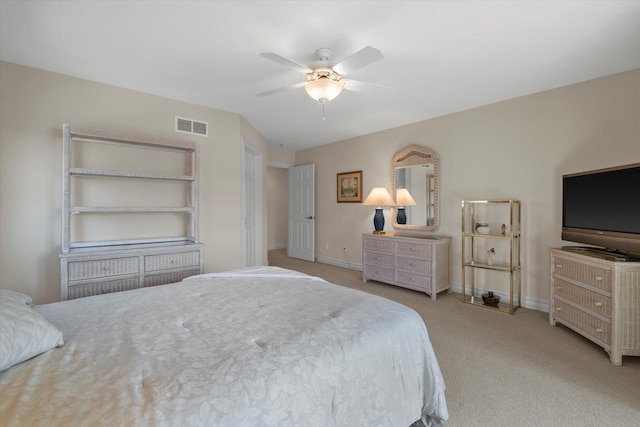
(154, 244)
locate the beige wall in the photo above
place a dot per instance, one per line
(33, 106)
(281, 158)
(277, 189)
(514, 149)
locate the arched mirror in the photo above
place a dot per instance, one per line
(414, 187)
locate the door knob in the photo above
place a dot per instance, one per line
(310, 217)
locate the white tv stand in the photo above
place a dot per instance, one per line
(597, 298)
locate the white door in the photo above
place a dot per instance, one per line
(301, 242)
(252, 205)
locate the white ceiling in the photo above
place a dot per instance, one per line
(440, 56)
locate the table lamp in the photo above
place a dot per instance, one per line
(379, 197)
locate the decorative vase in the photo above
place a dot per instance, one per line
(491, 253)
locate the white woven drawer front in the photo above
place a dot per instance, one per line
(414, 249)
(379, 245)
(374, 272)
(79, 291)
(79, 270)
(173, 277)
(417, 280)
(171, 261)
(594, 276)
(379, 259)
(592, 300)
(417, 265)
(591, 325)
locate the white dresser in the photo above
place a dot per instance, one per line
(599, 299)
(415, 262)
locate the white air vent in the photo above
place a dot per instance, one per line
(192, 126)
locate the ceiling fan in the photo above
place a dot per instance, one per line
(325, 80)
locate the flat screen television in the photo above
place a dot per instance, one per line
(602, 208)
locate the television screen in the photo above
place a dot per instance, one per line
(602, 208)
(606, 201)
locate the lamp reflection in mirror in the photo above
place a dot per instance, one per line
(403, 199)
(379, 197)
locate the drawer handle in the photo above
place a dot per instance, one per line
(558, 265)
(377, 259)
(599, 278)
(598, 304)
(412, 249)
(377, 244)
(411, 280)
(558, 287)
(173, 261)
(105, 268)
(599, 330)
(558, 308)
(411, 264)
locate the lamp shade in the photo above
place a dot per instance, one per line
(403, 198)
(379, 196)
(323, 89)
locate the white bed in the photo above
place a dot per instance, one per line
(255, 347)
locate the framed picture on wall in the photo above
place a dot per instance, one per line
(350, 187)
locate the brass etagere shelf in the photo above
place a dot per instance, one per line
(486, 223)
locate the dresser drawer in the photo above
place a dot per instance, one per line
(81, 270)
(164, 278)
(591, 300)
(379, 245)
(171, 261)
(99, 288)
(414, 249)
(416, 265)
(414, 280)
(597, 328)
(597, 277)
(383, 274)
(379, 259)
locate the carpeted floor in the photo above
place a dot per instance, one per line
(503, 370)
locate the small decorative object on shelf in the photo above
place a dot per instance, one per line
(491, 299)
(490, 255)
(481, 227)
(500, 269)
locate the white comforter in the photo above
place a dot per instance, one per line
(259, 347)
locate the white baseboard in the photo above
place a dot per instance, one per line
(339, 263)
(277, 246)
(530, 303)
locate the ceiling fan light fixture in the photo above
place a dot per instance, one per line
(324, 89)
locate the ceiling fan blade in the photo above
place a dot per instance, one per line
(285, 61)
(360, 86)
(282, 89)
(365, 56)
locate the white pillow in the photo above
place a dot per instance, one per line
(24, 333)
(18, 296)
